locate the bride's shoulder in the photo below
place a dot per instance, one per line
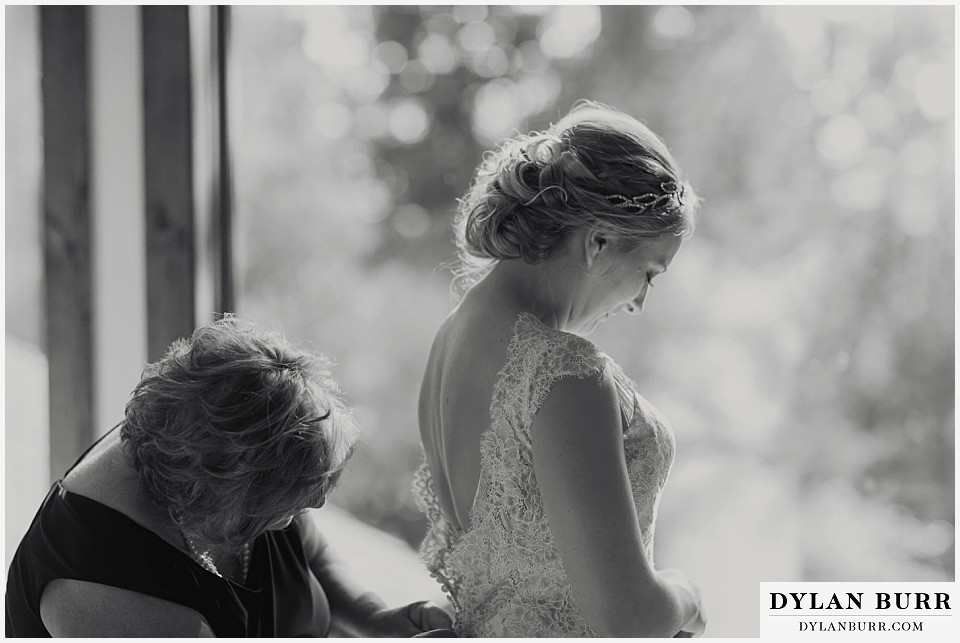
(557, 352)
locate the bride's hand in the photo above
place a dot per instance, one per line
(697, 621)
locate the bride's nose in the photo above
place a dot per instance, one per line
(635, 306)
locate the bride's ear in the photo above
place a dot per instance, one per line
(595, 246)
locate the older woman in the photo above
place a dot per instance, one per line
(190, 519)
(543, 465)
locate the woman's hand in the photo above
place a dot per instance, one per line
(692, 602)
(408, 620)
(355, 610)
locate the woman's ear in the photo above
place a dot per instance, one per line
(596, 247)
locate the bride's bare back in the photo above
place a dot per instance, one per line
(466, 357)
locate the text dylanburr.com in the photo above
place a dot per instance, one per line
(867, 611)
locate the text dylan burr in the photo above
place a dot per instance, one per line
(854, 600)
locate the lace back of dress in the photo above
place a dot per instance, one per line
(486, 570)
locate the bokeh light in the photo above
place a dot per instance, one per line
(332, 120)
(496, 112)
(330, 42)
(392, 54)
(408, 121)
(935, 90)
(438, 54)
(842, 141)
(411, 221)
(674, 22)
(569, 30)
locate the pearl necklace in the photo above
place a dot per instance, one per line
(206, 560)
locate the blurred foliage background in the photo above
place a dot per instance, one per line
(802, 343)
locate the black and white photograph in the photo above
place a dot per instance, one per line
(493, 321)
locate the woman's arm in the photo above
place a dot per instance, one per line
(581, 471)
(353, 607)
(75, 608)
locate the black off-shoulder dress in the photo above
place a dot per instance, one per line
(75, 537)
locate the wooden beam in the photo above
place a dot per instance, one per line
(213, 181)
(168, 173)
(66, 231)
(226, 301)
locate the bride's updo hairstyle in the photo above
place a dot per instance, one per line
(596, 169)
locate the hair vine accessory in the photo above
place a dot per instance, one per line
(650, 200)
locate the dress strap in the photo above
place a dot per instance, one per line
(537, 357)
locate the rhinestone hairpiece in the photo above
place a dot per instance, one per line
(650, 200)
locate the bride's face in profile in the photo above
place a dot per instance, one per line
(624, 286)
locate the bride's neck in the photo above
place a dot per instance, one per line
(543, 289)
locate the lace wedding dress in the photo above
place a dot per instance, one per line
(503, 575)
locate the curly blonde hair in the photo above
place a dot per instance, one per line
(533, 189)
(234, 429)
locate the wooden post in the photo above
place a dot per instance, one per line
(66, 231)
(168, 161)
(213, 179)
(168, 196)
(225, 300)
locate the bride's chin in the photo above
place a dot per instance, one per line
(588, 328)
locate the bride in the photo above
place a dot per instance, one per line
(543, 465)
